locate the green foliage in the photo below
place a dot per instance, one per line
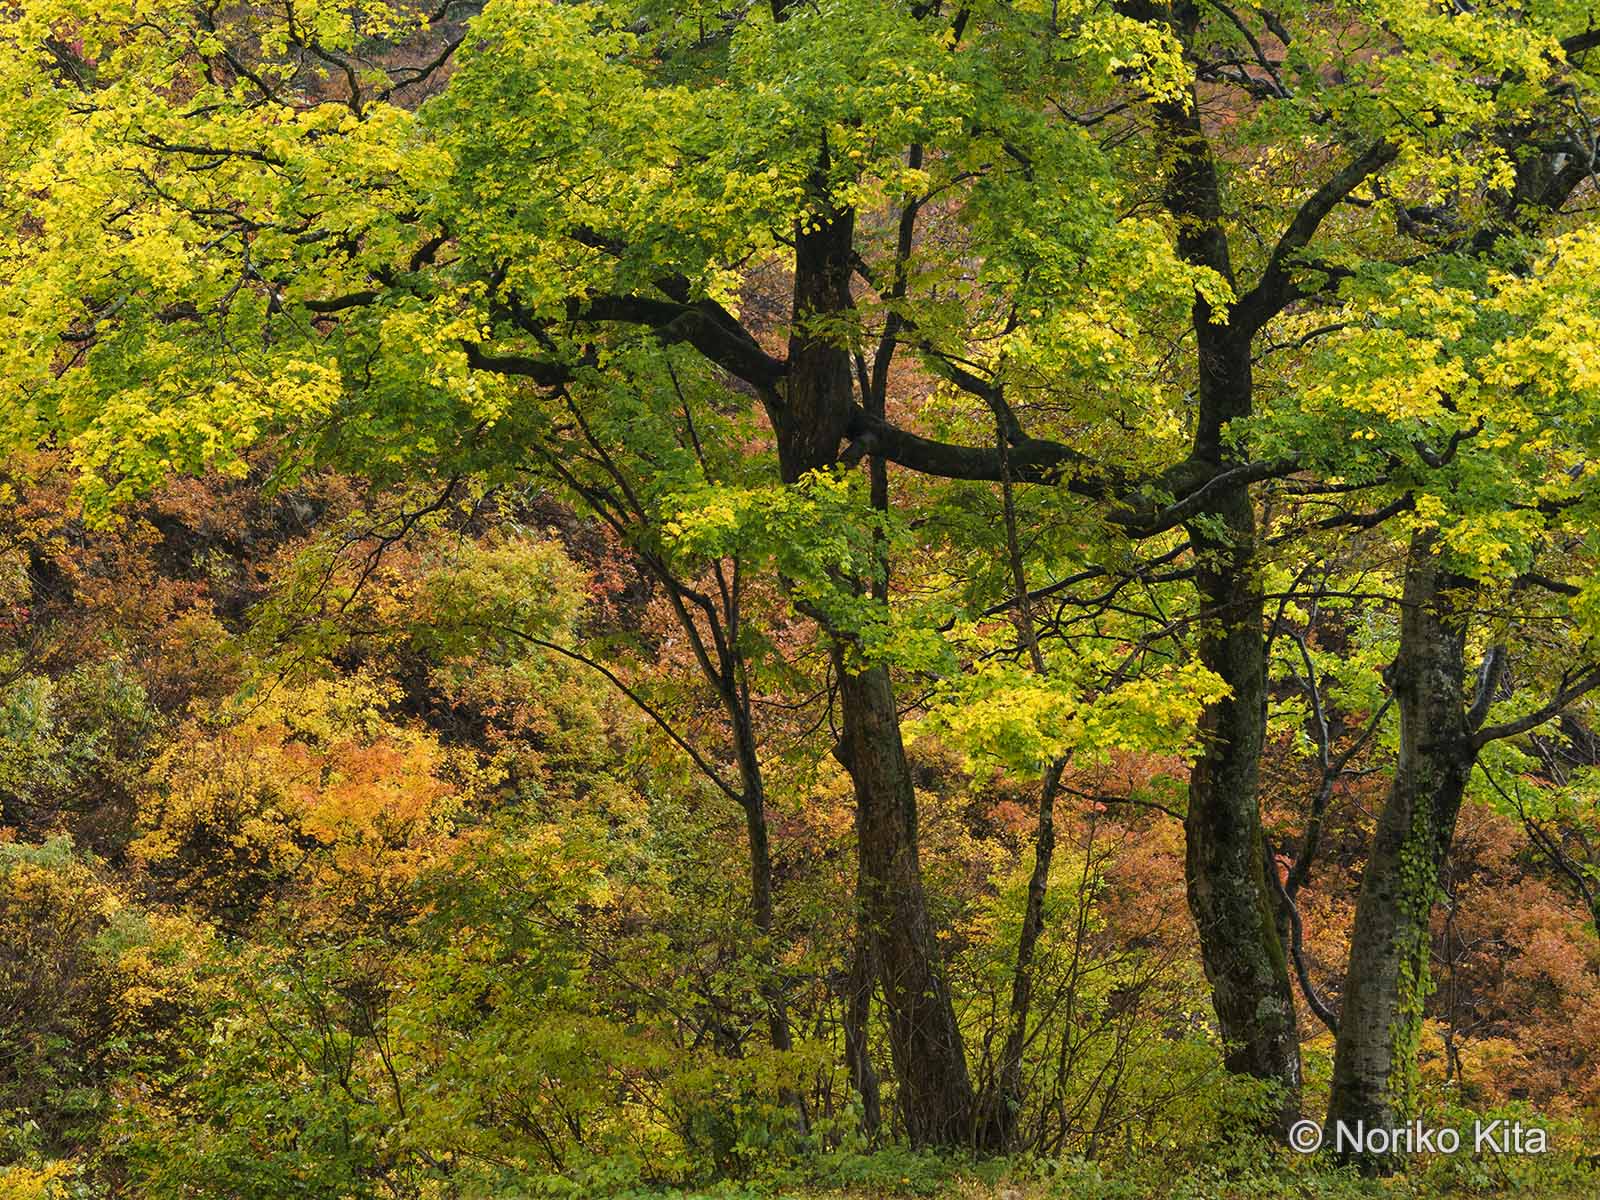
(426, 909)
(82, 735)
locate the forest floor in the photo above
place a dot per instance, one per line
(1552, 1178)
(1331, 1187)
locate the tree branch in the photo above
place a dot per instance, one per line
(1566, 693)
(1268, 297)
(639, 702)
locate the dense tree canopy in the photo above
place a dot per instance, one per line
(635, 592)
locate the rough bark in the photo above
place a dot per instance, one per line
(925, 1041)
(811, 419)
(1387, 981)
(1224, 859)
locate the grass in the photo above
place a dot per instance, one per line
(1269, 1175)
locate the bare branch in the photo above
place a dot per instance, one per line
(1572, 686)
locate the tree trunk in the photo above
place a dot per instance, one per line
(998, 1125)
(1387, 981)
(754, 802)
(930, 1064)
(1225, 857)
(810, 419)
(857, 1011)
(1224, 860)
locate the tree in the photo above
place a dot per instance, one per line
(294, 249)
(1488, 518)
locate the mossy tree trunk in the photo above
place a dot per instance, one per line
(1388, 979)
(935, 1087)
(1225, 854)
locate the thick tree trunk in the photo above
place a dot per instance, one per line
(1387, 981)
(930, 1064)
(935, 1090)
(1224, 861)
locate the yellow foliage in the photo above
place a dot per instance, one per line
(314, 788)
(35, 1183)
